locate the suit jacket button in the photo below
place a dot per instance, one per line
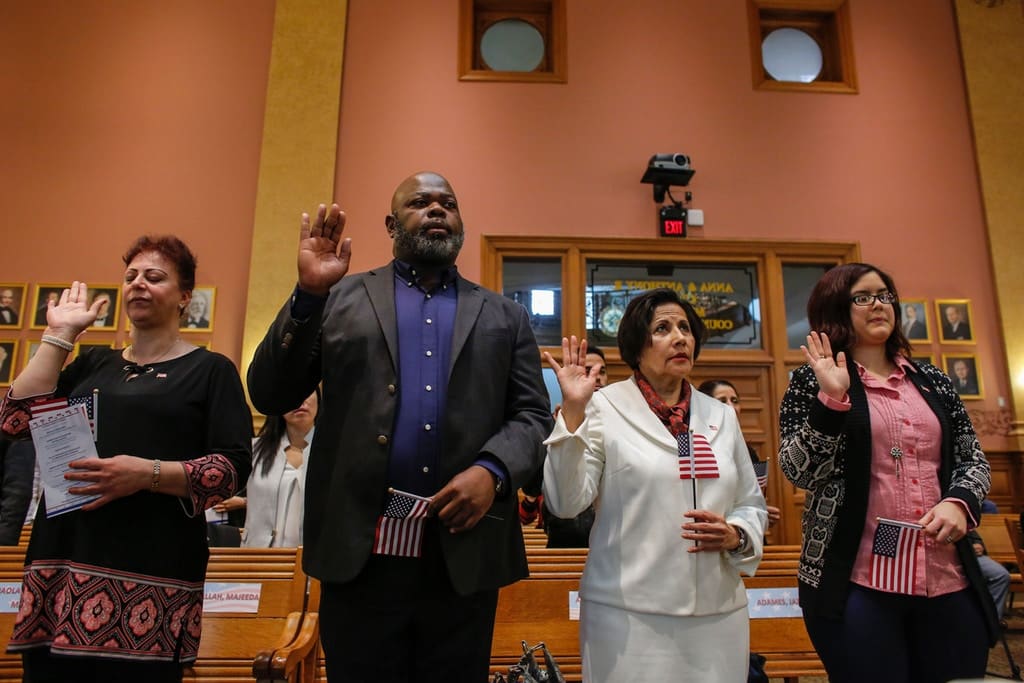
(392, 389)
(382, 440)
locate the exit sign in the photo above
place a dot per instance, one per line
(672, 221)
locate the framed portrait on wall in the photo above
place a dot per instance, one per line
(86, 347)
(198, 315)
(923, 358)
(109, 297)
(45, 293)
(963, 369)
(915, 320)
(30, 350)
(8, 356)
(12, 304)
(954, 320)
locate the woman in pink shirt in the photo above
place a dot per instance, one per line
(895, 476)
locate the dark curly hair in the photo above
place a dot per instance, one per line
(634, 332)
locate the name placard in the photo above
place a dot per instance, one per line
(241, 598)
(10, 597)
(773, 603)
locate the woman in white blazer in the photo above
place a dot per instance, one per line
(679, 511)
(276, 489)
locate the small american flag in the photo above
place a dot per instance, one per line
(894, 556)
(400, 529)
(702, 464)
(761, 470)
(48, 405)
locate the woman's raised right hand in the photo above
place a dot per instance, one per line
(70, 316)
(830, 372)
(577, 386)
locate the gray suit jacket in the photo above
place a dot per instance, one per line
(497, 404)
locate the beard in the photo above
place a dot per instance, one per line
(427, 250)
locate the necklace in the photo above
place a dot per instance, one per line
(894, 426)
(134, 359)
(135, 369)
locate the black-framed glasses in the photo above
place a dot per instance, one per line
(869, 299)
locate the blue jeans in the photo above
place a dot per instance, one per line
(997, 579)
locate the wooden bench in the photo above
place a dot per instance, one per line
(537, 609)
(231, 642)
(782, 641)
(534, 537)
(12, 566)
(995, 531)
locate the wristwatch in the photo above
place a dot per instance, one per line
(742, 547)
(499, 484)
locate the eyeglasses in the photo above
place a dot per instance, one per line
(869, 299)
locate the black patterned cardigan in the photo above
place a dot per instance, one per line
(828, 453)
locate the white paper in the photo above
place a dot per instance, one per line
(574, 605)
(61, 436)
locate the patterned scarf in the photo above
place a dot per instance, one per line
(696, 461)
(677, 417)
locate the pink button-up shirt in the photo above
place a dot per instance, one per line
(906, 490)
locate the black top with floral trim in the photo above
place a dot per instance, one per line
(126, 581)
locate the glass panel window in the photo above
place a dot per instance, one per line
(512, 45)
(537, 285)
(725, 296)
(798, 279)
(791, 55)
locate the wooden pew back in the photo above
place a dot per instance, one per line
(782, 641)
(996, 530)
(12, 565)
(231, 641)
(537, 609)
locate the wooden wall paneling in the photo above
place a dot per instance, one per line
(761, 375)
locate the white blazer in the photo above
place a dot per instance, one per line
(269, 501)
(624, 460)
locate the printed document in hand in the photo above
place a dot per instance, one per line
(61, 436)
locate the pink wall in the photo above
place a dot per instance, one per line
(124, 116)
(891, 167)
(120, 117)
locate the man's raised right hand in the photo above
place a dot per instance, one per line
(323, 254)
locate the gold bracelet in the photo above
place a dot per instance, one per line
(58, 342)
(156, 476)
